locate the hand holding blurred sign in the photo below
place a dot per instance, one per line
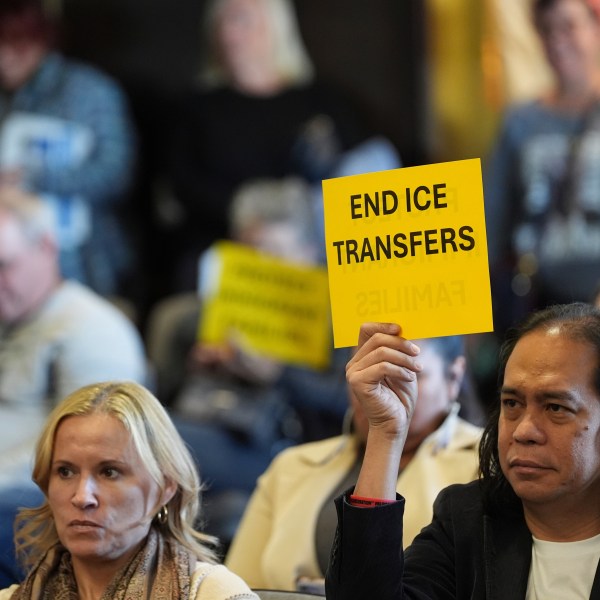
(408, 246)
(273, 307)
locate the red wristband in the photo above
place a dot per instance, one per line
(364, 502)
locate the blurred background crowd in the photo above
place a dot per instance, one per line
(432, 79)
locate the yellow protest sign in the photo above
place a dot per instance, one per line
(408, 246)
(268, 305)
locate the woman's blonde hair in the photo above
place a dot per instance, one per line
(156, 440)
(291, 57)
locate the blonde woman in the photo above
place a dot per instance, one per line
(121, 501)
(272, 47)
(258, 112)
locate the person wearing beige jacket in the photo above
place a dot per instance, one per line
(285, 536)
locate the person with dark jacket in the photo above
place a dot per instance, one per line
(257, 111)
(530, 526)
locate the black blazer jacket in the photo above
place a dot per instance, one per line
(465, 553)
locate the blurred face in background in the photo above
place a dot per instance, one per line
(19, 60)
(570, 34)
(438, 384)
(25, 38)
(243, 37)
(282, 240)
(28, 270)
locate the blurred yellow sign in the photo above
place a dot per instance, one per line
(273, 307)
(408, 246)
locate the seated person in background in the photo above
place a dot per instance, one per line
(66, 134)
(257, 113)
(285, 537)
(55, 336)
(542, 190)
(274, 216)
(530, 526)
(121, 499)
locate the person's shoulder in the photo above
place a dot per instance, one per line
(86, 84)
(524, 117)
(87, 71)
(83, 305)
(218, 582)
(454, 436)
(460, 499)
(467, 435)
(524, 109)
(79, 295)
(313, 453)
(7, 593)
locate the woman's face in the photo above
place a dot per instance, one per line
(570, 35)
(19, 60)
(282, 240)
(101, 495)
(438, 387)
(243, 36)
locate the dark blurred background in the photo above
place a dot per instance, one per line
(372, 50)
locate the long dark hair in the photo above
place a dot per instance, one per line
(578, 321)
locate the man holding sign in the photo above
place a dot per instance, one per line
(530, 526)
